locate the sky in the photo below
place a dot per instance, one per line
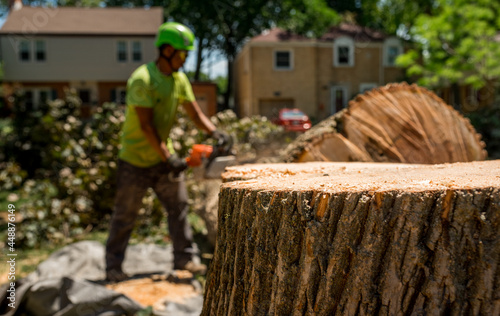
(213, 67)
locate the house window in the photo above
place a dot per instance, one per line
(122, 51)
(283, 60)
(136, 51)
(24, 51)
(40, 50)
(29, 99)
(119, 95)
(343, 55)
(44, 96)
(84, 95)
(392, 49)
(343, 52)
(35, 97)
(392, 54)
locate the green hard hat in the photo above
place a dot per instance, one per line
(176, 34)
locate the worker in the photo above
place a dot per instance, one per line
(147, 158)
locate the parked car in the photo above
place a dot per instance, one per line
(293, 120)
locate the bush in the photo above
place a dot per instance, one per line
(70, 164)
(64, 167)
(487, 122)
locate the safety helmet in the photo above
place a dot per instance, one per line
(175, 34)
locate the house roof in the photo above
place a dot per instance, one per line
(279, 35)
(358, 33)
(83, 21)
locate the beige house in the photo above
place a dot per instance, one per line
(91, 50)
(319, 76)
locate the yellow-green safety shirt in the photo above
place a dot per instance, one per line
(148, 87)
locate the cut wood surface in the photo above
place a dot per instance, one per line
(357, 239)
(395, 123)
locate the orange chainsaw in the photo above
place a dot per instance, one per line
(213, 158)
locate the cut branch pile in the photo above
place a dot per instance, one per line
(396, 123)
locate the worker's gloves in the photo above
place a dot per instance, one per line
(221, 137)
(176, 165)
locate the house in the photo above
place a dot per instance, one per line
(91, 50)
(319, 76)
(278, 69)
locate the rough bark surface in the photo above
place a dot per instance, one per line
(396, 123)
(357, 239)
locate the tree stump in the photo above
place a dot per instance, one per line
(357, 239)
(395, 123)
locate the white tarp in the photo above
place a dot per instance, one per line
(70, 282)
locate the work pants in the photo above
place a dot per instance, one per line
(132, 184)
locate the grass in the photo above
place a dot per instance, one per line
(4, 202)
(26, 262)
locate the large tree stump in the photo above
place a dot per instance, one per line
(395, 123)
(357, 239)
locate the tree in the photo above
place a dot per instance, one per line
(310, 17)
(225, 25)
(390, 16)
(239, 20)
(196, 14)
(347, 239)
(79, 3)
(456, 44)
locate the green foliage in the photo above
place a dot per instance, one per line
(455, 43)
(11, 176)
(1, 71)
(248, 132)
(226, 25)
(70, 166)
(308, 17)
(486, 121)
(394, 17)
(203, 76)
(80, 3)
(66, 186)
(221, 82)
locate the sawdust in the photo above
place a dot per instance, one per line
(358, 176)
(155, 291)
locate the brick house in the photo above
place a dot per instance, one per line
(320, 75)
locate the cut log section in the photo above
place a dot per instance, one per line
(357, 239)
(395, 123)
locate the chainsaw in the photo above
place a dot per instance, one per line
(214, 159)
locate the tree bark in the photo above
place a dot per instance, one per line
(357, 239)
(229, 87)
(199, 59)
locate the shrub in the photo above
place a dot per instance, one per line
(487, 122)
(68, 166)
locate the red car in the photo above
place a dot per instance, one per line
(293, 120)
